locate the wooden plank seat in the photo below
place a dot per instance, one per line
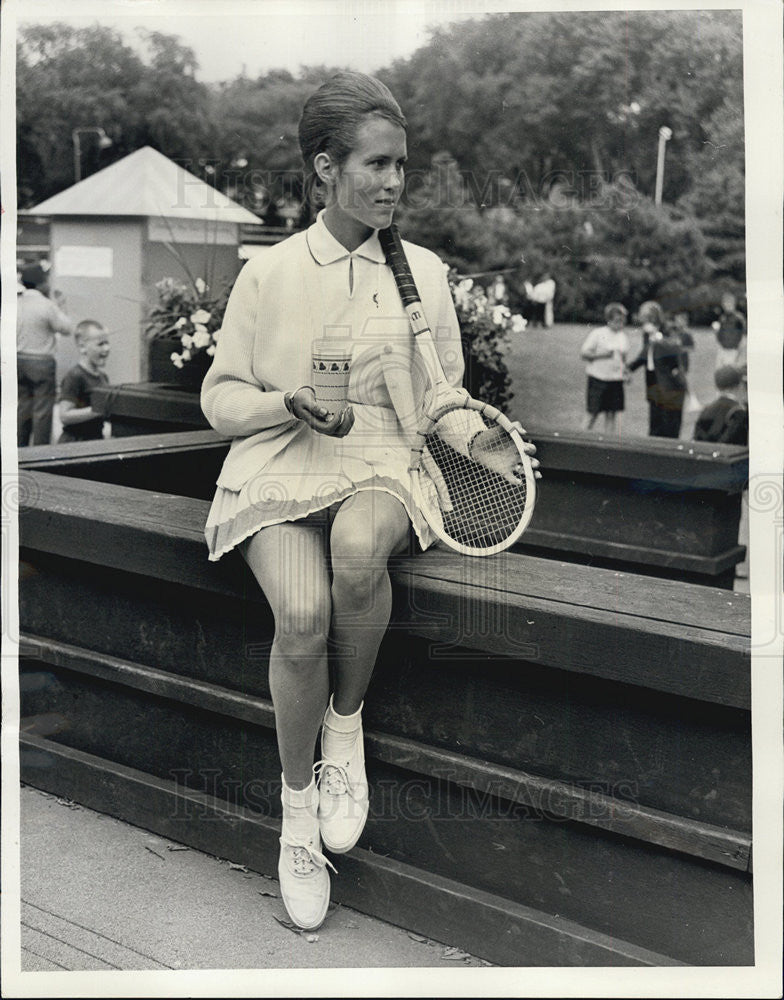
(548, 743)
(650, 505)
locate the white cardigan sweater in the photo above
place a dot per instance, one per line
(306, 287)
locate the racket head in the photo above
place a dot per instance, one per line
(471, 507)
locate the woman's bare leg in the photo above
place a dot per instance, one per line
(369, 527)
(289, 562)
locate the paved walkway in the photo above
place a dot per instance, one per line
(98, 894)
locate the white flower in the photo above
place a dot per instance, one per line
(180, 322)
(186, 340)
(466, 284)
(176, 360)
(500, 315)
(211, 350)
(201, 285)
(199, 328)
(519, 323)
(201, 338)
(186, 355)
(200, 316)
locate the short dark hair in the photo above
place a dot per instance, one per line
(727, 377)
(33, 275)
(651, 312)
(332, 115)
(85, 326)
(615, 309)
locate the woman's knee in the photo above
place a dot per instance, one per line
(368, 528)
(359, 565)
(302, 626)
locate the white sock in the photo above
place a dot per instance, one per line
(340, 732)
(298, 798)
(343, 723)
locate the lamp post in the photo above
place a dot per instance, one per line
(103, 143)
(665, 134)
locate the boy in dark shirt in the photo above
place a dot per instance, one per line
(726, 419)
(80, 421)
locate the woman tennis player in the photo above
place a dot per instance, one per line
(318, 502)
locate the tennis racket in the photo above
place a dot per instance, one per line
(470, 474)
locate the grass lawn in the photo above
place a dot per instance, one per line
(548, 379)
(548, 382)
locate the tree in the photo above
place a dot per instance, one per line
(257, 149)
(531, 97)
(717, 199)
(70, 78)
(439, 212)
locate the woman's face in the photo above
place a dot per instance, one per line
(368, 185)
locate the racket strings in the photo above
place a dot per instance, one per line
(479, 508)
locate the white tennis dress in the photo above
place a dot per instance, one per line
(308, 287)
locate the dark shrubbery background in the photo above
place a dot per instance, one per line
(532, 141)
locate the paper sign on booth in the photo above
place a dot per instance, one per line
(84, 262)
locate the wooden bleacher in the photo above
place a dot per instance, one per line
(559, 755)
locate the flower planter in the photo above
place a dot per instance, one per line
(189, 377)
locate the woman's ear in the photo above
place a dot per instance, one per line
(324, 167)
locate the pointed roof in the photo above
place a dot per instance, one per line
(145, 183)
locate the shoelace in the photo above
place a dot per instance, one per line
(335, 776)
(305, 858)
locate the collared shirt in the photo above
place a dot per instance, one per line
(306, 287)
(37, 321)
(601, 340)
(326, 249)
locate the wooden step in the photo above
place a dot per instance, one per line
(567, 739)
(483, 924)
(513, 845)
(557, 799)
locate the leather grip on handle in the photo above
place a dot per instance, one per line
(392, 246)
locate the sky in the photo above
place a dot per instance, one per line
(229, 36)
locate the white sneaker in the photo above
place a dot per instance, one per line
(342, 782)
(304, 879)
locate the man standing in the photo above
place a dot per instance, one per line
(38, 319)
(541, 296)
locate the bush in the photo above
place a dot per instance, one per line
(485, 326)
(616, 246)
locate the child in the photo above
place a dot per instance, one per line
(730, 330)
(605, 350)
(726, 419)
(316, 519)
(665, 371)
(80, 421)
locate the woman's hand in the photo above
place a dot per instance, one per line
(506, 461)
(528, 447)
(305, 408)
